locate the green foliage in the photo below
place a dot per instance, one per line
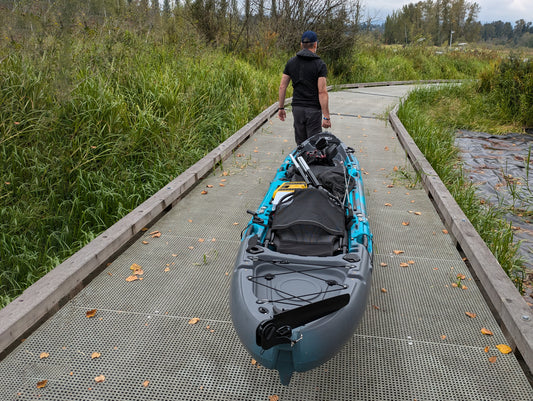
(374, 63)
(509, 85)
(89, 132)
(433, 129)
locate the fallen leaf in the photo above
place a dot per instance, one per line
(411, 262)
(156, 235)
(254, 362)
(418, 213)
(445, 231)
(140, 272)
(486, 349)
(99, 379)
(470, 314)
(395, 168)
(204, 192)
(194, 320)
(132, 278)
(383, 290)
(443, 337)
(386, 148)
(235, 224)
(492, 359)
(209, 186)
(201, 240)
(486, 332)
(167, 269)
(135, 266)
(42, 384)
(146, 383)
(405, 223)
(44, 355)
(461, 276)
(90, 313)
(383, 264)
(375, 307)
(403, 264)
(388, 204)
(273, 398)
(223, 180)
(504, 349)
(145, 242)
(454, 285)
(95, 355)
(464, 287)
(221, 185)
(398, 252)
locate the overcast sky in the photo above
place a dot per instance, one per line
(491, 10)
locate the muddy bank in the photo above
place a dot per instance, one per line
(502, 168)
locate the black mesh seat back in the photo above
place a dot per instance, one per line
(308, 223)
(306, 240)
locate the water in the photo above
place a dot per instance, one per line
(498, 165)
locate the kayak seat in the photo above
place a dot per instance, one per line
(308, 222)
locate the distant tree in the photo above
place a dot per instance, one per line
(435, 21)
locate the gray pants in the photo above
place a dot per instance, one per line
(307, 122)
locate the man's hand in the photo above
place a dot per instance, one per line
(326, 123)
(282, 114)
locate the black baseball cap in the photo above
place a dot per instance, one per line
(309, 37)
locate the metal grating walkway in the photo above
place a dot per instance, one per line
(414, 343)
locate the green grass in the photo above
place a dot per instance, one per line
(432, 117)
(83, 145)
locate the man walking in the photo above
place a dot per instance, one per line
(308, 74)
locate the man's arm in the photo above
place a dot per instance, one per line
(324, 101)
(285, 79)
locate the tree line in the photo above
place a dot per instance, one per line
(254, 26)
(442, 22)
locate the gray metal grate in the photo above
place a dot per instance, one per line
(142, 331)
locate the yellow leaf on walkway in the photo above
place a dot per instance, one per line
(487, 332)
(194, 320)
(90, 313)
(504, 349)
(44, 355)
(42, 384)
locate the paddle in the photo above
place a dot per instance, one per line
(278, 330)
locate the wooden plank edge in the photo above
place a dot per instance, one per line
(44, 297)
(511, 308)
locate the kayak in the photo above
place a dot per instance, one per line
(303, 271)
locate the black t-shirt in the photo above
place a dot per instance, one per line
(304, 69)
